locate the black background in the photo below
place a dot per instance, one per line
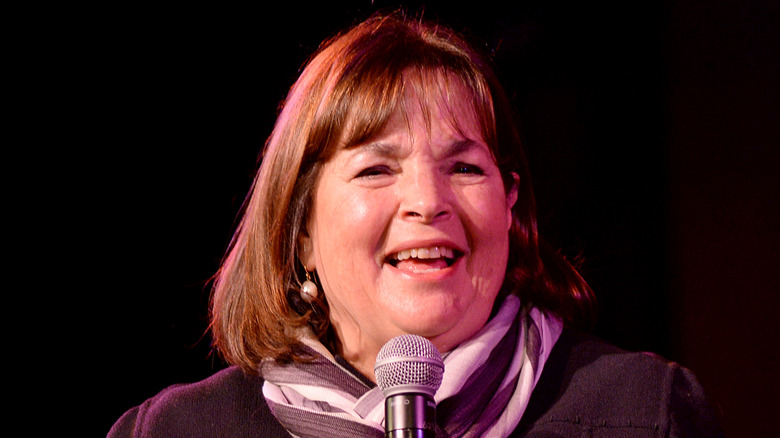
(651, 130)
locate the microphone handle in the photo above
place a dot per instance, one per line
(410, 415)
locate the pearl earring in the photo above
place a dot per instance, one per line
(309, 290)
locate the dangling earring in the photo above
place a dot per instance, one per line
(309, 290)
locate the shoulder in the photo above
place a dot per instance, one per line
(229, 403)
(590, 384)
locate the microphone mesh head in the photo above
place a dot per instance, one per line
(408, 363)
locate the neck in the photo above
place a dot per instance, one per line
(363, 377)
(360, 363)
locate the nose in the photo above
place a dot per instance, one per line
(425, 196)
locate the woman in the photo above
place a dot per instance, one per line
(394, 197)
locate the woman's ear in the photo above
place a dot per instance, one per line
(511, 198)
(306, 251)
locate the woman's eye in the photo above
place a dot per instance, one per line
(467, 169)
(373, 171)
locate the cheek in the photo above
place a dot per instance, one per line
(348, 229)
(341, 215)
(489, 213)
(349, 233)
(489, 235)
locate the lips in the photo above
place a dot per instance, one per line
(424, 259)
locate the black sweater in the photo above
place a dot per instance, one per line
(588, 389)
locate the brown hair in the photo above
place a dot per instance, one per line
(345, 95)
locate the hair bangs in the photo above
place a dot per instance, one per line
(373, 77)
(425, 87)
(447, 90)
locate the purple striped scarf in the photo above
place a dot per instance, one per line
(486, 387)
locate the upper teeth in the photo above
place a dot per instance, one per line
(434, 252)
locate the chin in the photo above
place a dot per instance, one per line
(444, 330)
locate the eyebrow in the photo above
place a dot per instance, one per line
(460, 146)
(379, 148)
(390, 150)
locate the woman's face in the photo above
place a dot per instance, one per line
(409, 233)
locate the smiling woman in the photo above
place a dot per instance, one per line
(375, 93)
(394, 198)
(371, 109)
(431, 186)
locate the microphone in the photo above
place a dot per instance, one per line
(409, 370)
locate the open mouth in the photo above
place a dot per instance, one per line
(424, 259)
